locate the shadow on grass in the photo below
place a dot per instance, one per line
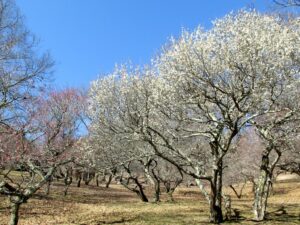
(122, 220)
(88, 195)
(182, 216)
(279, 215)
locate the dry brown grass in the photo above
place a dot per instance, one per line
(91, 205)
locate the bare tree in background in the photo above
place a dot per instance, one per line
(22, 70)
(246, 157)
(46, 142)
(277, 131)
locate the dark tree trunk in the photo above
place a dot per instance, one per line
(216, 215)
(109, 181)
(98, 176)
(157, 191)
(140, 191)
(215, 210)
(78, 182)
(141, 194)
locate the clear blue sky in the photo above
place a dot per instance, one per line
(86, 38)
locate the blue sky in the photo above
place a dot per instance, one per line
(86, 38)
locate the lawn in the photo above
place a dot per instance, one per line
(92, 205)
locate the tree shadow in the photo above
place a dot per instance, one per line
(282, 215)
(279, 215)
(122, 220)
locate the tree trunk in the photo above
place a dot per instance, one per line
(215, 210)
(262, 190)
(170, 196)
(68, 182)
(109, 181)
(78, 182)
(47, 191)
(169, 191)
(227, 200)
(141, 192)
(14, 213)
(156, 182)
(253, 185)
(202, 189)
(97, 181)
(261, 197)
(149, 177)
(157, 191)
(216, 215)
(98, 176)
(142, 196)
(219, 186)
(214, 198)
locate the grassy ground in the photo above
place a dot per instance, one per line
(91, 205)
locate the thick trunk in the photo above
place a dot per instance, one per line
(215, 197)
(262, 190)
(156, 182)
(215, 210)
(216, 215)
(261, 196)
(14, 212)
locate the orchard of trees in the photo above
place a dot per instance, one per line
(218, 106)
